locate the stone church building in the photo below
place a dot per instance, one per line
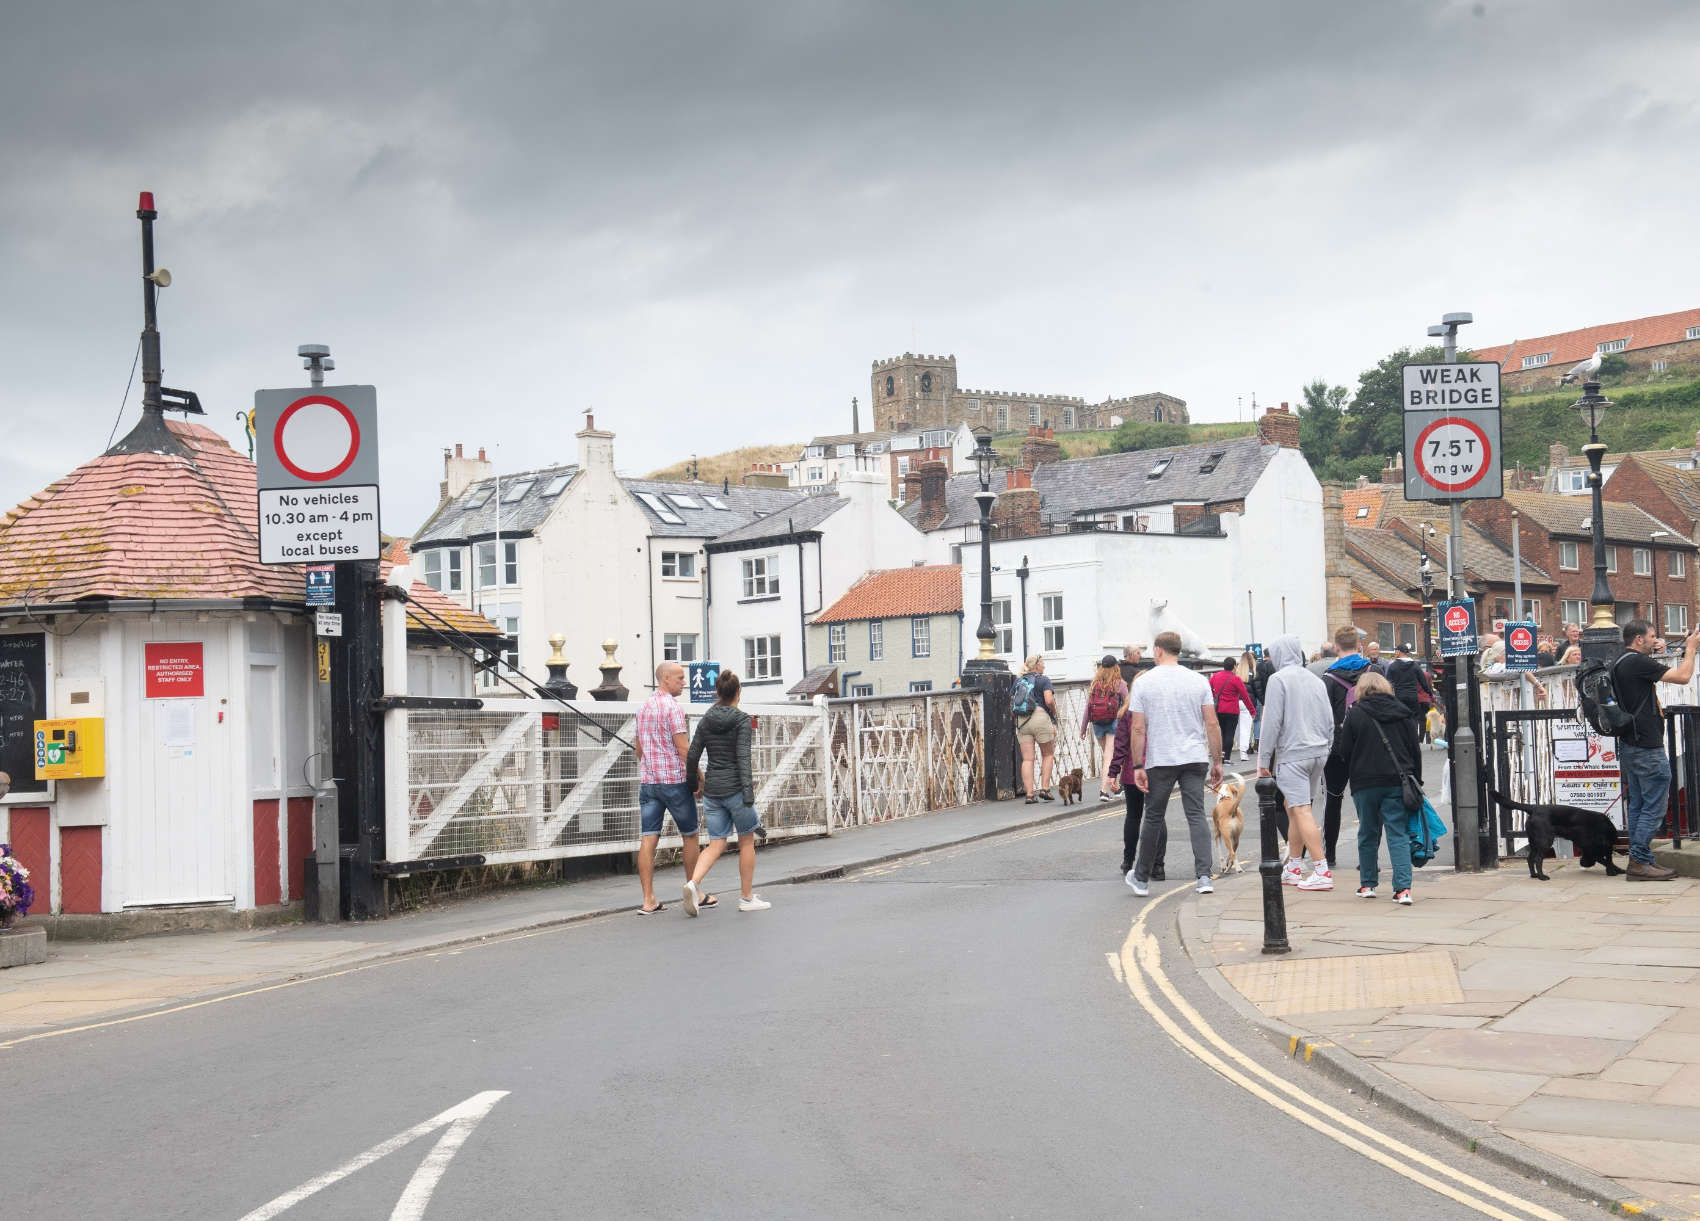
(916, 392)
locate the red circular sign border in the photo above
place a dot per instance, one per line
(1524, 632)
(1487, 454)
(308, 401)
(1446, 619)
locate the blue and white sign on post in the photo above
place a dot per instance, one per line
(1458, 629)
(704, 674)
(1520, 646)
(321, 585)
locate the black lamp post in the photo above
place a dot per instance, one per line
(987, 634)
(1602, 638)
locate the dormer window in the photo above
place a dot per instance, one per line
(1612, 345)
(1536, 361)
(1693, 333)
(1156, 472)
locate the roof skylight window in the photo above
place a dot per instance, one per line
(1210, 462)
(1161, 465)
(515, 492)
(478, 499)
(683, 501)
(557, 485)
(714, 502)
(659, 507)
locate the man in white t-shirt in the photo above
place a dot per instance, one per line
(1175, 737)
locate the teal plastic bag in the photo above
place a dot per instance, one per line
(1426, 830)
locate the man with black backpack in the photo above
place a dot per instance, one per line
(1641, 754)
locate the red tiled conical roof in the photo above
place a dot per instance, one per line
(144, 525)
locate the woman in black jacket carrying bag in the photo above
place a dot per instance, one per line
(1377, 745)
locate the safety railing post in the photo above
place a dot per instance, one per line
(1274, 902)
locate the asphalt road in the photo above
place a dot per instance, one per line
(942, 1037)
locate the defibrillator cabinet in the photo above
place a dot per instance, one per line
(72, 748)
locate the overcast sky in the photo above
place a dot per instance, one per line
(705, 220)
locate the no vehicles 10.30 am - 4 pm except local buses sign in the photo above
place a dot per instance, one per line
(1452, 432)
(316, 456)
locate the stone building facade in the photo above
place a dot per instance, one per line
(916, 391)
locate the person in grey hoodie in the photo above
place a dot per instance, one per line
(1298, 733)
(728, 793)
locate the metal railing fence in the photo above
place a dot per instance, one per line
(901, 755)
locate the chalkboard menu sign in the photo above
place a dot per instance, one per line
(23, 701)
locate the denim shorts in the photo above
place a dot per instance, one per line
(1103, 729)
(724, 813)
(657, 800)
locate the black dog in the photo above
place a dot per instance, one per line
(1592, 832)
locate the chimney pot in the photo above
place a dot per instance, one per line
(481, 456)
(458, 453)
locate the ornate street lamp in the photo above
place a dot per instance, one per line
(1425, 570)
(984, 461)
(1602, 638)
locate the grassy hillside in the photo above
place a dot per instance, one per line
(1660, 411)
(1086, 444)
(730, 465)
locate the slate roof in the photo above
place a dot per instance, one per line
(821, 680)
(1624, 523)
(473, 514)
(144, 525)
(744, 505)
(1398, 560)
(929, 589)
(1683, 487)
(1079, 486)
(1568, 347)
(803, 514)
(1369, 584)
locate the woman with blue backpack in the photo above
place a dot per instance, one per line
(1034, 703)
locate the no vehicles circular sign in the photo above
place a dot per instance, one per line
(316, 437)
(1457, 619)
(1454, 454)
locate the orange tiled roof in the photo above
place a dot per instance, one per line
(934, 589)
(144, 525)
(1373, 498)
(1568, 347)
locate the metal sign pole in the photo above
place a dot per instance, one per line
(327, 825)
(1466, 815)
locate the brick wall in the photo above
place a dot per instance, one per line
(1629, 485)
(1279, 426)
(1016, 514)
(1038, 446)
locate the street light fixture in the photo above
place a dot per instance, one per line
(1425, 571)
(1592, 406)
(984, 462)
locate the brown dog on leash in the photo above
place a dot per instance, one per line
(1069, 787)
(1228, 822)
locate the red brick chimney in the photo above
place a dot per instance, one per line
(1279, 427)
(933, 477)
(1038, 446)
(1394, 472)
(1016, 514)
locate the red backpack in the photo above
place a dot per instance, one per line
(1103, 704)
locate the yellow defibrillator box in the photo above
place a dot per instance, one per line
(73, 748)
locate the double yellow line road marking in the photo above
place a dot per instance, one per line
(1140, 968)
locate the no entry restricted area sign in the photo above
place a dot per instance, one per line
(316, 455)
(1453, 455)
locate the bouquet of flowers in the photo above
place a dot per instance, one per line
(16, 893)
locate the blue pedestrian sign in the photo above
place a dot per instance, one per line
(1458, 629)
(1520, 646)
(321, 585)
(704, 674)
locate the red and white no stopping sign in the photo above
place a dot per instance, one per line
(316, 438)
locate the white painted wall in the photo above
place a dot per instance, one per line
(1281, 551)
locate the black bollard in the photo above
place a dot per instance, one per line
(1274, 903)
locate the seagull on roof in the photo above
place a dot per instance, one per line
(1583, 369)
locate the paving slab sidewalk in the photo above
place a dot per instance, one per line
(1564, 1015)
(84, 981)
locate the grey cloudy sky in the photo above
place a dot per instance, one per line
(706, 219)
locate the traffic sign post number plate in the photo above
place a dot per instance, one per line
(329, 524)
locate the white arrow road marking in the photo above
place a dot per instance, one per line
(460, 1119)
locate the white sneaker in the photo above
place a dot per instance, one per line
(691, 897)
(1292, 873)
(1320, 879)
(755, 903)
(1204, 886)
(1139, 888)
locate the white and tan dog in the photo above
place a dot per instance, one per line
(1228, 822)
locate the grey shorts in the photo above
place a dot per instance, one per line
(1301, 781)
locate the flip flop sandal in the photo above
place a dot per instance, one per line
(650, 911)
(711, 901)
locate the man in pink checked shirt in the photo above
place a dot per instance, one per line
(662, 747)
